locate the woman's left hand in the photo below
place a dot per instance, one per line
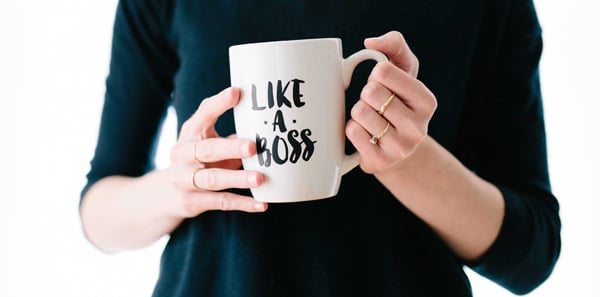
(391, 118)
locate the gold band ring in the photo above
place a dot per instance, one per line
(194, 180)
(195, 157)
(375, 138)
(385, 104)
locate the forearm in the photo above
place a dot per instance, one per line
(121, 213)
(465, 210)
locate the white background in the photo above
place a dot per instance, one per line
(53, 62)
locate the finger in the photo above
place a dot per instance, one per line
(198, 202)
(359, 137)
(216, 179)
(376, 95)
(202, 122)
(216, 149)
(393, 146)
(368, 118)
(395, 47)
(398, 139)
(413, 93)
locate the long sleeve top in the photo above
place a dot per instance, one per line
(479, 58)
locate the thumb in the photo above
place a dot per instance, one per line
(394, 46)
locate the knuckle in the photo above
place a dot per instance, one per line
(351, 129)
(209, 179)
(369, 90)
(433, 104)
(381, 71)
(204, 150)
(186, 127)
(359, 110)
(421, 88)
(203, 104)
(223, 203)
(399, 37)
(415, 62)
(429, 103)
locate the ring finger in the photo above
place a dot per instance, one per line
(370, 120)
(367, 110)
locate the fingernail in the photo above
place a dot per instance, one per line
(253, 180)
(259, 206)
(374, 39)
(245, 149)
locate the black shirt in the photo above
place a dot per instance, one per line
(479, 58)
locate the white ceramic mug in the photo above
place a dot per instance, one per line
(293, 105)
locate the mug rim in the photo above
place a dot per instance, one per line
(286, 41)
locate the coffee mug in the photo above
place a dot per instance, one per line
(293, 106)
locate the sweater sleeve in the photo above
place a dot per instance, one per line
(138, 90)
(507, 147)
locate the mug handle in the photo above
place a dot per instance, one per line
(348, 66)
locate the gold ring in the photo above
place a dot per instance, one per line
(194, 180)
(385, 104)
(195, 157)
(376, 138)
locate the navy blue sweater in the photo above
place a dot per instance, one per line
(480, 59)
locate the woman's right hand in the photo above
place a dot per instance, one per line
(203, 164)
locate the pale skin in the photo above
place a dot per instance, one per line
(120, 213)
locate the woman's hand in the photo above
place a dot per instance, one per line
(122, 212)
(465, 210)
(203, 164)
(391, 118)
